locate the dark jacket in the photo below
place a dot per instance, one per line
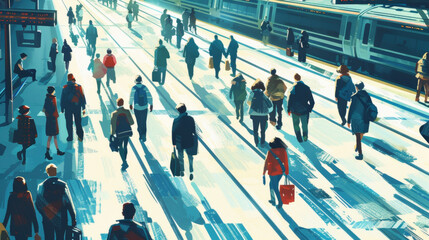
(168, 28)
(70, 14)
(72, 96)
(128, 229)
(161, 55)
(303, 41)
(192, 19)
(185, 16)
(340, 84)
(91, 34)
(20, 209)
(54, 201)
(216, 50)
(54, 50)
(66, 50)
(183, 131)
(356, 115)
(232, 48)
(300, 99)
(290, 37)
(162, 20)
(190, 52)
(179, 30)
(27, 132)
(238, 89)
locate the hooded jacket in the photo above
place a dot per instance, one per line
(276, 88)
(238, 89)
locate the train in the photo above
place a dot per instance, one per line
(381, 40)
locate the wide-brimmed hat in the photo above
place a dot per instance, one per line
(24, 109)
(70, 77)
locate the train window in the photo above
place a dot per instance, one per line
(240, 8)
(309, 21)
(348, 30)
(366, 33)
(409, 43)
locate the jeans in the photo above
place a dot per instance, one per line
(179, 40)
(54, 66)
(163, 72)
(93, 48)
(216, 64)
(28, 73)
(123, 149)
(234, 63)
(296, 119)
(52, 232)
(277, 107)
(67, 63)
(342, 109)
(259, 121)
(110, 75)
(181, 156)
(70, 112)
(239, 109)
(274, 188)
(191, 69)
(141, 117)
(98, 84)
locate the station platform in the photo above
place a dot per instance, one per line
(385, 196)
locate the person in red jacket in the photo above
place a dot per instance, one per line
(110, 61)
(276, 163)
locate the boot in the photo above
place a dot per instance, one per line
(48, 155)
(298, 136)
(59, 153)
(19, 155)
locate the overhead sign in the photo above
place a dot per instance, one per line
(28, 17)
(380, 1)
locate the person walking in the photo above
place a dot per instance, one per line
(19, 68)
(162, 20)
(357, 116)
(142, 100)
(27, 132)
(79, 14)
(168, 30)
(51, 113)
(129, 19)
(344, 89)
(422, 75)
(72, 101)
(185, 19)
(71, 17)
(302, 46)
(260, 107)
(290, 38)
(109, 62)
(183, 136)
(190, 52)
(53, 202)
(276, 89)
(238, 90)
(232, 50)
(98, 71)
(160, 60)
(300, 104)
(276, 164)
(266, 30)
(216, 50)
(127, 228)
(66, 51)
(130, 5)
(136, 11)
(179, 32)
(193, 21)
(20, 210)
(91, 36)
(53, 54)
(120, 124)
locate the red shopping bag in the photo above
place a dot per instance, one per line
(287, 192)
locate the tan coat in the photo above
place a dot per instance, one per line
(276, 88)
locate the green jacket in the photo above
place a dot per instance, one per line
(276, 88)
(115, 114)
(238, 89)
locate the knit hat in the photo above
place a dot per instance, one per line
(138, 79)
(70, 77)
(23, 109)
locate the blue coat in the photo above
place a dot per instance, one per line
(357, 110)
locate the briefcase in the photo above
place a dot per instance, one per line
(287, 192)
(85, 119)
(174, 164)
(211, 65)
(289, 52)
(73, 233)
(156, 75)
(50, 66)
(227, 65)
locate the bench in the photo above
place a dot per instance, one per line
(14, 79)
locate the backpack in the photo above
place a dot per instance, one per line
(140, 96)
(347, 91)
(123, 127)
(70, 93)
(370, 111)
(258, 102)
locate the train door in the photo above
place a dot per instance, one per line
(364, 40)
(348, 35)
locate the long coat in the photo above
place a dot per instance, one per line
(300, 99)
(51, 113)
(27, 132)
(54, 50)
(357, 109)
(183, 131)
(20, 209)
(70, 14)
(190, 52)
(66, 50)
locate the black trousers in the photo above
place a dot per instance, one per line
(52, 232)
(141, 117)
(123, 148)
(190, 66)
(302, 54)
(216, 65)
(67, 63)
(28, 73)
(70, 113)
(179, 40)
(234, 64)
(277, 108)
(342, 109)
(54, 66)
(259, 121)
(185, 25)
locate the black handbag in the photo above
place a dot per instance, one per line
(113, 143)
(73, 233)
(174, 164)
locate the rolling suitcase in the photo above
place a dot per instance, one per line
(73, 233)
(156, 75)
(289, 52)
(287, 192)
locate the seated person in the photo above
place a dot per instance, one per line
(19, 68)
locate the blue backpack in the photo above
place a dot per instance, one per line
(140, 96)
(347, 91)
